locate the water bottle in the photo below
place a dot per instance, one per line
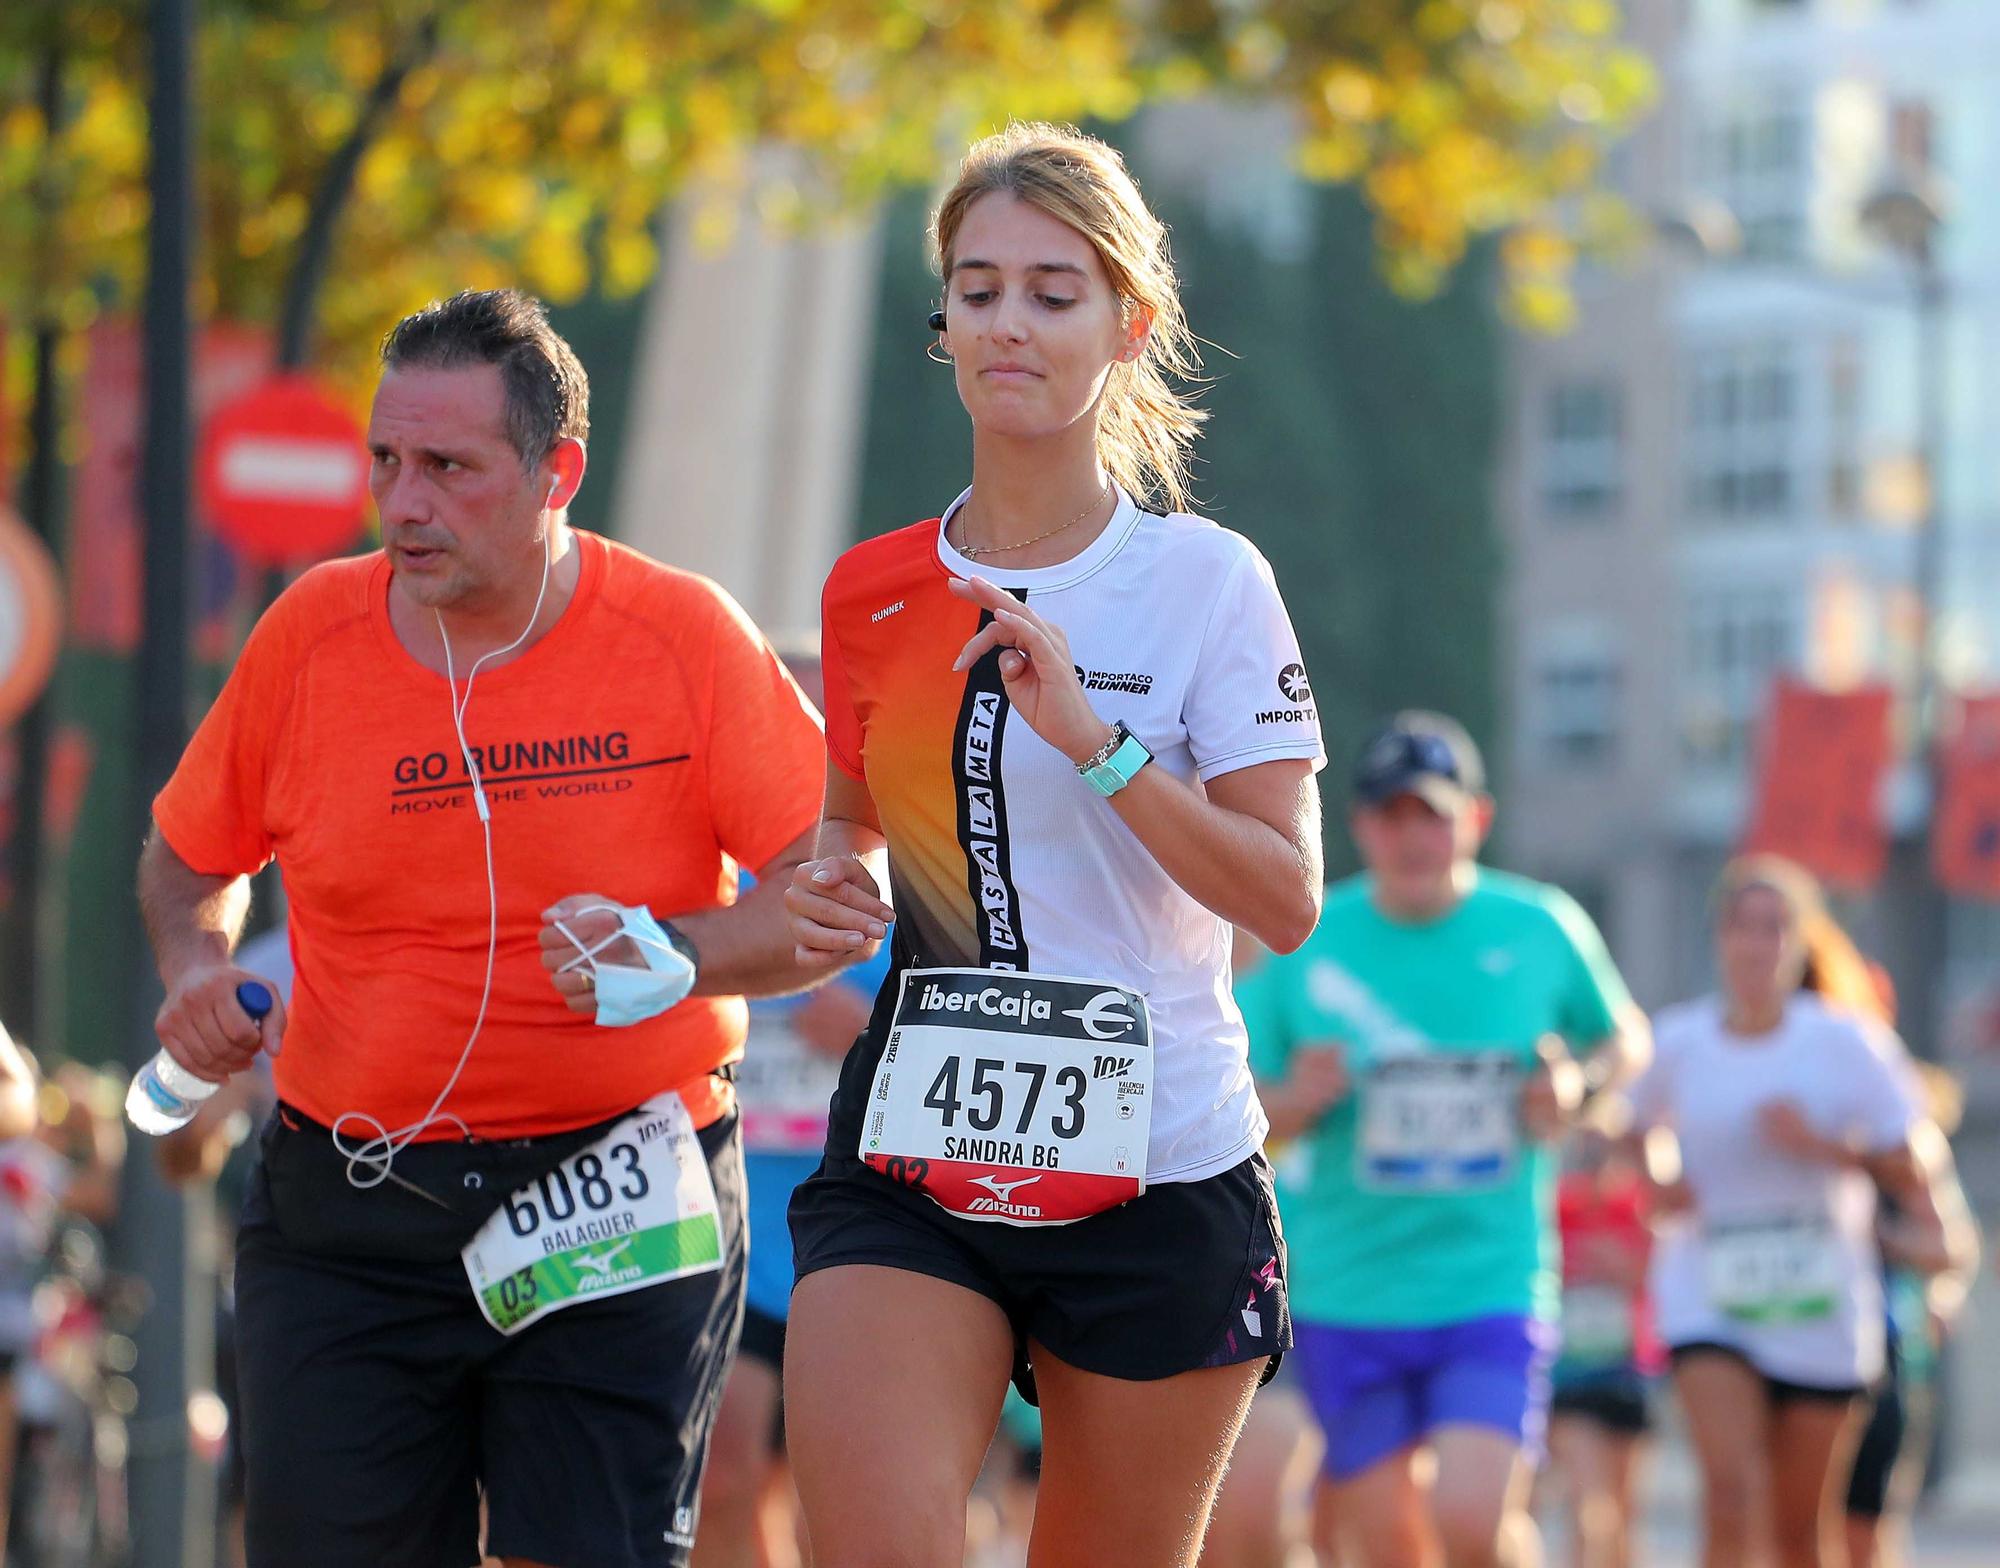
(165, 1095)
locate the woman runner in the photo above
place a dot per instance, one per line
(1081, 732)
(1788, 1111)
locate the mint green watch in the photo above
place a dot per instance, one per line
(1116, 762)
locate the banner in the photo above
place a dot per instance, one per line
(1821, 770)
(1965, 831)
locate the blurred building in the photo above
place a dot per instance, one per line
(1719, 475)
(743, 434)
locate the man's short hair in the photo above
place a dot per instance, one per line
(548, 395)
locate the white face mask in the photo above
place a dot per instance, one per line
(626, 995)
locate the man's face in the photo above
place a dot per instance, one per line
(461, 516)
(1412, 849)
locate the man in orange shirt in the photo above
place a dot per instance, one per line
(496, 1246)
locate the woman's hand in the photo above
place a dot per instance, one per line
(1036, 670)
(836, 911)
(1785, 1128)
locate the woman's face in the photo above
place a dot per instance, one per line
(1032, 322)
(1759, 947)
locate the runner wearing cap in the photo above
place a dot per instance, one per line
(1426, 1047)
(509, 770)
(1083, 734)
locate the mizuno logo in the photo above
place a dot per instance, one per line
(602, 1263)
(1103, 1017)
(1003, 1190)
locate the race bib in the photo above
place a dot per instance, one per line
(1773, 1271)
(1596, 1325)
(1439, 1122)
(635, 1209)
(783, 1086)
(1020, 1098)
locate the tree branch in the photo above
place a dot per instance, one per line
(315, 254)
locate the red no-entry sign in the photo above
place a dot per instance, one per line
(283, 472)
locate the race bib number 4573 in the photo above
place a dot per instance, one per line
(1020, 1098)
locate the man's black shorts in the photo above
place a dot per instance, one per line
(1187, 1275)
(378, 1404)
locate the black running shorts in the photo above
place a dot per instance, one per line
(1187, 1275)
(378, 1404)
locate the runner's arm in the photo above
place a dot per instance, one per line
(1618, 1058)
(1245, 847)
(1315, 1082)
(838, 913)
(1934, 1233)
(193, 921)
(746, 947)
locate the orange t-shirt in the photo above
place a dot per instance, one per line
(643, 749)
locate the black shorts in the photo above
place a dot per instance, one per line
(1614, 1399)
(1778, 1390)
(1187, 1275)
(378, 1404)
(1875, 1458)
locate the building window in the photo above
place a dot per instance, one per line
(1738, 640)
(1581, 451)
(1758, 162)
(1742, 414)
(1578, 703)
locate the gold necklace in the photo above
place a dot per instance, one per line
(974, 552)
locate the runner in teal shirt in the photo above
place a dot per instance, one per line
(1431, 1016)
(1420, 1057)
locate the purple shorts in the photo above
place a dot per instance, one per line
(1377, 1391)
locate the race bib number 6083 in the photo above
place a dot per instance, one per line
(1020, 1098)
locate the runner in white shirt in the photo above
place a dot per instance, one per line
(1082, 732)
(1787, 1111)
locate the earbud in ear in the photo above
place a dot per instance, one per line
(937, 321)
(555, 484)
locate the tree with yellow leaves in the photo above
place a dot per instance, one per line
(358, 157)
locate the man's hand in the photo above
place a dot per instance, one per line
(836, 911)
(1553, 1093)
(578, 985)
(205, 1029)
(1318, 1078)
(1315, 1081)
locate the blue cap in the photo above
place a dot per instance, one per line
(1422, 754)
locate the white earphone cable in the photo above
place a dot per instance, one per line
(370, 1163)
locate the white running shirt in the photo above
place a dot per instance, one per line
(1850, 1079)
(1000, 855)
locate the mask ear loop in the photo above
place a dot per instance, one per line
(586, 952)
(372, 1161)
